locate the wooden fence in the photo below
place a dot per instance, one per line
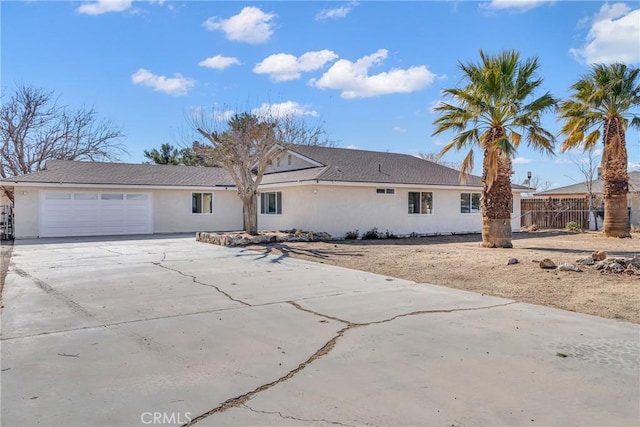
(554, 212)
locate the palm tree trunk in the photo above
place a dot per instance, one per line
(497, 200)
(615, 180)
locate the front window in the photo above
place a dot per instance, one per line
(385, 191)
(469, 203)
(271, 203)
(420, 202)
(202, 203)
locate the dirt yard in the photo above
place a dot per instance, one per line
(458, 262)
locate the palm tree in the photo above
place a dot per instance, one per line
(493, 111)
(601, 104)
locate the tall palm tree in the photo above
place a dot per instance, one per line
(604, 102)
(494, 110)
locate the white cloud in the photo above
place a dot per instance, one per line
(352, 147)
(521, 161)
(222, 116)
(177, 85)
(284, 109)
(634, 166)
(104, 6)
(353, 80)
(336, 13)
(400, 130)
(515, 5)
(219, 62)
(251, 25)
(562, 161)
(613, 36)
(282, 67)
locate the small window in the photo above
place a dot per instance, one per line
(271, 203)
(289, 159)
(470, 202)
(85, 196)
(202, 203)
(421, 202)
(112, 196)
(278, 162)
(385, 191)
(58, 196)
(136, 197)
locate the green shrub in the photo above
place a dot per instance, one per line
(371, 234)
(389, 235)
(572, 226)
(352, 235)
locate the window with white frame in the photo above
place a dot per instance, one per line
(469, 203)
(420, 202)
(385, 191)
(202, 203)
(271, 203)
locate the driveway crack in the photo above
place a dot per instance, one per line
(195, 280)
(289, 417)
(242, 399)
(44, 286)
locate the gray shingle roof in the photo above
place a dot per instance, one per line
(339, 164)
(75, 172)
(349, 165)
(581, 188)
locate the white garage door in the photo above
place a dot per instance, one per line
(65, 213)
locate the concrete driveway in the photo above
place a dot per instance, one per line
(168, 331)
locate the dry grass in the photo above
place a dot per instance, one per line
(457, 261)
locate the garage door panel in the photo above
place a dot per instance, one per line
(93, 214)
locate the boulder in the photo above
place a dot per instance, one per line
(567, 266)
(615, 267)
(586, 261)
(547, 264)
(512, 261)
(599, 255)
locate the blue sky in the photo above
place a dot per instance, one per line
(371, 71)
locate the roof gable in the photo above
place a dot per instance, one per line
(347, 165)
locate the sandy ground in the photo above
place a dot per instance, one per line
(458, 262)
(6, 248)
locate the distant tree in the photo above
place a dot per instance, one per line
(169, 155)
(536, 183)
(588, 167)
(495, 110)
(605, 103)
(245, 146)
(34, 128)
(439, 159)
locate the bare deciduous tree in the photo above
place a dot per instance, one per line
(245, 146)
(588, 167)
(439, 159)
(34, 128)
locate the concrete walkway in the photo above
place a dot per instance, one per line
(168, 331)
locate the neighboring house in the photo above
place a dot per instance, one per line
(581, 190)
(335, 190)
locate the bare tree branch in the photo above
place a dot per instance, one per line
(245, 146)
(34, 128)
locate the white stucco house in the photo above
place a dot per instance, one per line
(334, 190)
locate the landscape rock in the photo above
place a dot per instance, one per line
(634, 262)
(615, 267)
(599, 255)
(547, 264)
(512, 261)
(567, 266)
(243, 239)
(586, 261)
